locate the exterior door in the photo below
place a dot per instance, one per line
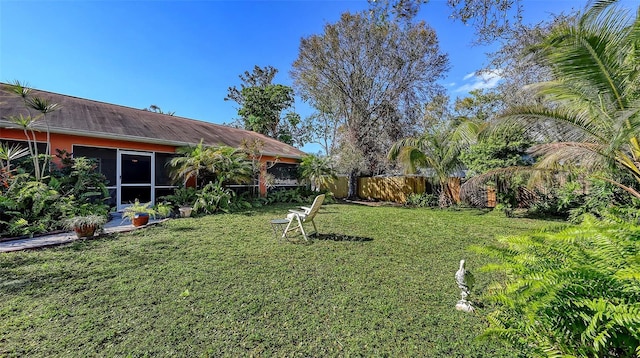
(135, 178)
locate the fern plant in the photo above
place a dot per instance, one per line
(574, 292)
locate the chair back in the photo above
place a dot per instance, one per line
(315, 207)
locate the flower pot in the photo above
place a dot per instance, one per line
(185, 211)
(140, 219)
(85, 230)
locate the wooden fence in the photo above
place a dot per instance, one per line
(339, 187)
(396, 189)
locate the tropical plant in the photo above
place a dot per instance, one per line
(137, 208)
(28, 122)
(594, 99)
(230, 165)
(44, 106)
(574, 292)
(80, 179)
(314, 169)
(163, 210)
(438, 151)
(190, 162)
(8, 154)
(205, 163)
(182, 197)
(213, 198)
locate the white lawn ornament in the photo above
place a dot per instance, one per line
(465, 281)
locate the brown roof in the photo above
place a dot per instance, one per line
(79, 116)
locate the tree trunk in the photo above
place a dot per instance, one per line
(353, 185)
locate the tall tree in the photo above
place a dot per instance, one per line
(262, 104)
(491, 19)
(373, 76)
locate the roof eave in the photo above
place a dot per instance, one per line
(103, 135)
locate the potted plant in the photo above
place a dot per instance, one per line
(85, 225)
(184, 198)
(139, 213)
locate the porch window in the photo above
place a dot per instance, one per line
(285, 175)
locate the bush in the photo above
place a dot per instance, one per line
(423, 200)
(29, 206)
(213, 198)
(573, 292)
(601, 199)
(298, 195)
(184, 196)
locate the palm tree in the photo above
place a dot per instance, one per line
(314, 168)
(44, 106)
(27, 123)
(227, 163)
(437, 150)
(230, 164)
(594, 97)
(190, 164)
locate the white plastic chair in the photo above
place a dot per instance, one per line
(298, 217)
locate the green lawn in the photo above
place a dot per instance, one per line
(224, 286)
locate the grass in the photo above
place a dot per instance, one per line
(378, 282)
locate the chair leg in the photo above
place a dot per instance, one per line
(286, 230)
(314, 227)
(304, 234)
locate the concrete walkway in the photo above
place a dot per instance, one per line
(115, 225)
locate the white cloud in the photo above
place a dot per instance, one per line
(482, 80)
(451, 84)
(472, 74)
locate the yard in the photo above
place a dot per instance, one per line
(378, 282)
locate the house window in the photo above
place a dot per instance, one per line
(106, 160)
(284, 174)
(106, 165)
(164, 184)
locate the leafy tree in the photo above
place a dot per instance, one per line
(520, 65)
(491, 18)
(501, 149)
(495, 147)
(262, 104)
(371, 77)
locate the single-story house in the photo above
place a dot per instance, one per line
(132, 146)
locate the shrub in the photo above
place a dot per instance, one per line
(423, 200)
(298, 195)
(184, 196)
(212, 198)
(571, 292)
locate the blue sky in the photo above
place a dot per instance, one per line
(183, 55)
